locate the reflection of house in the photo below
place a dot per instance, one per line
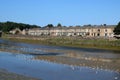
(100, 31)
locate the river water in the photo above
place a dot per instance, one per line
(59, 63)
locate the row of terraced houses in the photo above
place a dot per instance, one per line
(85, 31)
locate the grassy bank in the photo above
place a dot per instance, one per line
(69, 41)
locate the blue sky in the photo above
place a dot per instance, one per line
(66, 12)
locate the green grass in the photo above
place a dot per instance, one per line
(73, 42)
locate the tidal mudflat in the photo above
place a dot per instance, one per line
(59, 63)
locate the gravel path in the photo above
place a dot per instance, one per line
(5, 75)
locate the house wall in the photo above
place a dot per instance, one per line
(71, 31)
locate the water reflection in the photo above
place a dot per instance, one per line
(59, 63)
(71, 57)
(24, 64)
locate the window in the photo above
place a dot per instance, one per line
(105, 34)
(105, 30)
(98, 34)
(92, 34)
(75, 34)
(98, 30)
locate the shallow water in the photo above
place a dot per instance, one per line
(59, 63)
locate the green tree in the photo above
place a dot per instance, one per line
(7, 26)
(50, 25)
(0, 26)
(59, 25)
(117, 29)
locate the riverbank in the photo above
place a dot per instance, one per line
(5, 75)
(59, 63)
(98, 43)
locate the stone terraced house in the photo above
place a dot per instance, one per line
(84, 31)
(87, 31)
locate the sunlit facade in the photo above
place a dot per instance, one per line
(101, 31)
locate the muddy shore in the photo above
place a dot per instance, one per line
(5, 75)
